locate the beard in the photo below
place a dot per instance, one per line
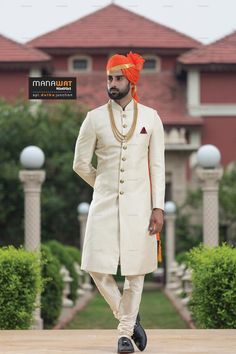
(116, 94)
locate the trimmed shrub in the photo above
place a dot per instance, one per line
(75, 253)
(213, 303)
(62, 254)
(181, 257)
(20, 281)
(51, 297)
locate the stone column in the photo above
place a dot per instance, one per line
(169, 243)
(83, 210)
(32, 181)
(82, 218)
(210, 185)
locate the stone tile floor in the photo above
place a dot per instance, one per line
(163, 341)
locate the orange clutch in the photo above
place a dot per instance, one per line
(159, 252)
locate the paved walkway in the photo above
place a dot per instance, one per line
(161, 341)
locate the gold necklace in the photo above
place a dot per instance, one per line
(118, 135)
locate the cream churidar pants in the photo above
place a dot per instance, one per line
(125, 307)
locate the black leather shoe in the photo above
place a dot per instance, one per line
(139, 336)
(125, 345)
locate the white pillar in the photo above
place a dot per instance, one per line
(169, 243)
(35, 103)
(170, 218)
(32, 158)
(83, 209)
(82, 218)
(210, 185)
(32, 181)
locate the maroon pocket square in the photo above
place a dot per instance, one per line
(143, 131)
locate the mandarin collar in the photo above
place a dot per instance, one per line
(128, 107)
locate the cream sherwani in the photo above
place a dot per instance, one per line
(128, 183)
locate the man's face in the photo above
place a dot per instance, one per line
(117, 85)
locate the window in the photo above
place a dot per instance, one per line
(152, 63)
(79, 63)
(149, 64)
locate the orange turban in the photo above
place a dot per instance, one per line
(130, 65)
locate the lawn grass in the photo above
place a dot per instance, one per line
(156, 311)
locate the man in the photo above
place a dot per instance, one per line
(126, 211)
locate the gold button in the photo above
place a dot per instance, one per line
(121, 181)
(125, 147)
(124, 125)
(124, 115)
(123, 158)
(122, 170)
(121, 192)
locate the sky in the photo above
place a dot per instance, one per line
(204, 20)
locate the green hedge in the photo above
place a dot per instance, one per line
(182, 257)
(20, 281)
(213, 303)
(75, 253)
(51, 297)
(64, 257)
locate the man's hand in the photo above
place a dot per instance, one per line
(156, 221)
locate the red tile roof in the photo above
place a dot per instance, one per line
(114, 27)
(12, 51)
(223, 51)
(160, 91)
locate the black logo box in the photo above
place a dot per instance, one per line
(52, 88)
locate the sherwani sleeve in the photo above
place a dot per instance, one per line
(157, 163)
(84, 149)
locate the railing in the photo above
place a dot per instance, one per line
(84, 286)
(180, 283)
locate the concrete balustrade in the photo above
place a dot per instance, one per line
(67, 304)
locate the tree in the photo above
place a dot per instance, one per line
(54, 128)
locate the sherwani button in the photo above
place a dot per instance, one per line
(121, 192)
(122, 170)
(123, 158)
(125, 147)
(121, 181)
(124, 125)
(124, 115)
